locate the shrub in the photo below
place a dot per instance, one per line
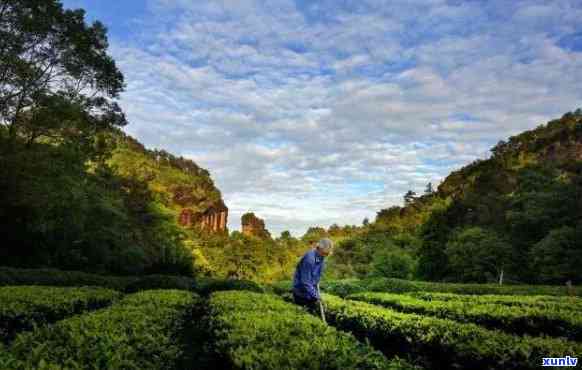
(443, 343)
(391, 285)
(24, 307)
(393, 263)
(281, 287)
(52, 277)
(343, 287)
(517, 320)
(480, 289)
(161, 282)
(540, 301)
(260, 331)
(139, 332)
(130, 284)
(207, 286)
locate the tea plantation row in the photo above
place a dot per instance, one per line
(25, 307)
(146, 330)
(517, 320)
(346, 287)
(442, 343)
(259, 331)
(138, 332)
(196, 326)
(539, 301)
(128, 284)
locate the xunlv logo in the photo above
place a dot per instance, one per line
(560, 361)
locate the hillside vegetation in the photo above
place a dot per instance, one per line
(76, 192)
(515, 217)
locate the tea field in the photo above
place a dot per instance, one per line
(162, 322)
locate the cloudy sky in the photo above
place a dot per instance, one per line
(320, 112)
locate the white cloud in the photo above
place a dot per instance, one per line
(324, 114)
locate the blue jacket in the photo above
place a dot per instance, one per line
(307, 275)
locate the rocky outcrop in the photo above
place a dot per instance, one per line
(214, 219)
(186, 217)
(254, 226)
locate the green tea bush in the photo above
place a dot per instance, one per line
(130, 284)
(516, 320)
(161, 282)
(281, 287)
(261, 331)
(141, 331)
(345, 287)
(24, 307)
(206, 286)
(337, 287)
(52, 277)
(6, 358)
(400, 286)
(443, 343)
(539, 301)
(391, 285)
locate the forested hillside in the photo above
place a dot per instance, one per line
(75, 191)
(515, 217)
(109, 206)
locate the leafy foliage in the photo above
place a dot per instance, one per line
(25, 307)
(53, 277)
(558, 256)
(62, 204)
(483, 221)
(538, 301)
(258, 331)
(346, 287)
(517, 320)
(476, 254)
(56, 79)
(141, 331)
(442, 343)
(44, 277)
(207, 286)
(393, 264)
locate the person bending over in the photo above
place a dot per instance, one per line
(308, 273)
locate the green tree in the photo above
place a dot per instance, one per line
(544, 200)
(313, 234)
(558, 257)
(432, 259)
(245, 257)
(409, 197)
(393, 263)
(478, 255)
(429, 189)
(55, 72)
(285, 235)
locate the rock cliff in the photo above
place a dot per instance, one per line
(213, 219)
(254, 226)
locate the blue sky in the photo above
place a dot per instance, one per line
(320, 112)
